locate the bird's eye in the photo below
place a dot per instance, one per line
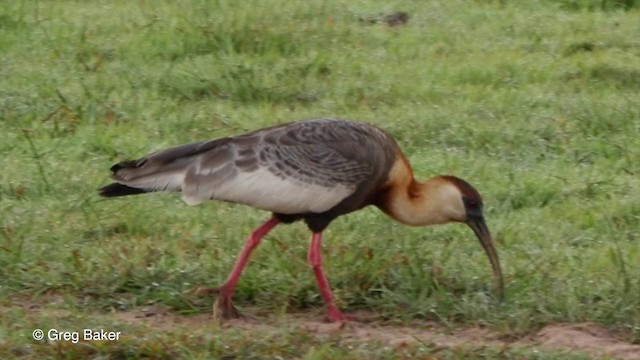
(472, 205)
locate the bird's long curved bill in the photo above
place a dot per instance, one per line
(482, 231)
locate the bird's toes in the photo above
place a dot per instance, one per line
(336, 316)
(202, 291)
(223, 308)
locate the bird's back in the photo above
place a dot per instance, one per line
(308, 167)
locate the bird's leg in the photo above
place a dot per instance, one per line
(224, 306)
(315, 260)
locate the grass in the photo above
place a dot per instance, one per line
(534, 102)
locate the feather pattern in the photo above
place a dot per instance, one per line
(304, 167)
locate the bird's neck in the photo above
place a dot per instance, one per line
(411, 202)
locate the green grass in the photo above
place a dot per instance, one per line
(534, 102)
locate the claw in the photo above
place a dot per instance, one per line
(223, 307)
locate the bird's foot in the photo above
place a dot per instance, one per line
(335, 315)
(223, 307)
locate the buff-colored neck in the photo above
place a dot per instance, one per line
(434, 201)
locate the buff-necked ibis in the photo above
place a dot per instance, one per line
(313, 170)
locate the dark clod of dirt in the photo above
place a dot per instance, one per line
(397, 18)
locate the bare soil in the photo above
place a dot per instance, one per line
(587, 338)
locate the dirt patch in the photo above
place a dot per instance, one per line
(162, 319)
(586, 338)
(590, 338)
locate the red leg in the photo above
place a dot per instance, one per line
(224, 303)
(315, 259)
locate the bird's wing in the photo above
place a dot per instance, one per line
(282, 170)
(299, 168)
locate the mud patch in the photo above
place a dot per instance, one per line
(586, 338)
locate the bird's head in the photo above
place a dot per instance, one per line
(451, 199)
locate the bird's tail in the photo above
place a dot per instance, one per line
(142, 176)
(121, 172)
(161, 171)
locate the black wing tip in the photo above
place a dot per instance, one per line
(115, 189)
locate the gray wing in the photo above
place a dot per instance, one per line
(302, 167)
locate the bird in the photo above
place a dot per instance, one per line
(311, 170)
